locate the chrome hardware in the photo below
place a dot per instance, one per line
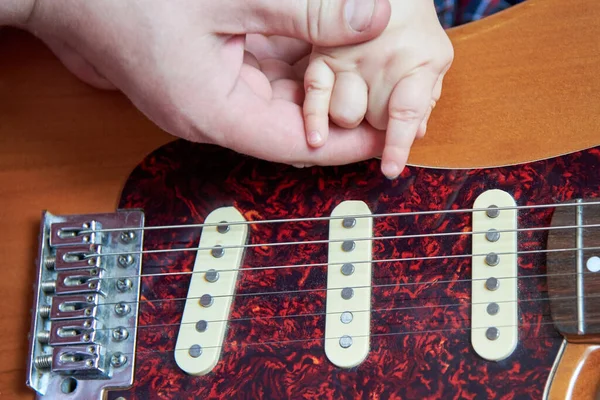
(347, 293)
(345, 341)
(206, 300)
(124, 285)
(217, 252)
(195, 351)
(201, 325)
(348, 222)
(492, 333)
(493, 308)
(492, 211)
(492, 259)
(66, 233)
(79, 281)
(44, 311)
(43, 362)
(492, 284)
(211, 275)
(74, 337)
(347, 269)
(77, 257)
(492, 235)
(346, 317)
(125, 260)
(120, 334)
(122, 309)
(74, 306)
(79, 361)
(223, 228)
(118, 360)
(348, 245)
(78, 331)
(127, 237)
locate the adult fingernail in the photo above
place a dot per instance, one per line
(359, 13)
(390, 169)
(314, 138)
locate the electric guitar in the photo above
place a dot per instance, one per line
(473, 275)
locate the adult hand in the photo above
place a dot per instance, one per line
(183, 64)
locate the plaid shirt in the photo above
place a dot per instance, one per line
(457, 12)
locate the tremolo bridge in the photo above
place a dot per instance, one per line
(85, 309)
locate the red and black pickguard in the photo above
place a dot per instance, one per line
(421, 309)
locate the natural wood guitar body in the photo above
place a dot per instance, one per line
(523, 87)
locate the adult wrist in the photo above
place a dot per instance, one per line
(15, 12)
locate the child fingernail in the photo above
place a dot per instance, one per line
(390, 169)
(314, 137)
(359, 13)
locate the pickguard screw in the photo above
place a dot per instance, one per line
(211, 276)
(201, 325)
(345, 341)
(127, 237)
(126, 260)
(124, 284)
(492, 235)
(195, 351)
(206, 300)
(217, 251)
(492, 259)
(120, 334)
(223, 228)
(347, 269)
(347, 293)
(492, 211)
(122, 309)
(349, 222)
(348, 245)
(118, 360)
(492, 333)
(493, 308)
(492, 284)
(346, 317)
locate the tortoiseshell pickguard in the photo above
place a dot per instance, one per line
(421, 309)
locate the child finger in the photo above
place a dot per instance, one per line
(409, 102)
(349, 100)
(423, 127)
(318, 85)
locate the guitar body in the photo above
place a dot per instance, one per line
(420, 320)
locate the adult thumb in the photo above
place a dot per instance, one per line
(319, 22)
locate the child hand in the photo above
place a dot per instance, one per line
(393, 81)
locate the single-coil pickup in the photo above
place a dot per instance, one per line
(348, 304)
(494, 310)
(211, 291)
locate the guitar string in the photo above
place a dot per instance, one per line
(355, 262)
(371, 335)
(356, 216)
(372, 286)
(374, 311)
(353, 239)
